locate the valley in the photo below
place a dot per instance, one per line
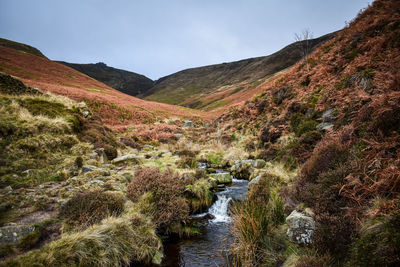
(270, 161)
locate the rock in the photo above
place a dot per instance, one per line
(178, 135)
(301, 228)
(255, 180)
(148, 147)
(250, 105)
(86, 113)
(13, 233)
(188, 124)
(328, 115)
(127, 158)
(324, 126)
(207, 125)
(222, 178)
(243, 169)
(259, 163)
(88, 168)
(99, 182)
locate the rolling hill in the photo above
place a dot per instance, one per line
(196, 87)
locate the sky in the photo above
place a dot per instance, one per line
(159, 37)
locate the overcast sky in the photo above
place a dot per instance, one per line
(160, 37)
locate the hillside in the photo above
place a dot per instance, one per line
(21, 47)
(118, 110)
(191, 87)
(127, 82)
(337, 127)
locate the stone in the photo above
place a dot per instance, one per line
(86, 113)
(148, 147)
(324, 126)
(13, 233)
(127, 158)
(188, 124)
(255, 180)
(99, 182)
(328, 115)
(243, 169)
(259, 163)
(301, 228)
(88, 168)
(222, 178)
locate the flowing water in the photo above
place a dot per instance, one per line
(208, 248)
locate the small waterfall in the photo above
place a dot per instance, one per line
(220, 209)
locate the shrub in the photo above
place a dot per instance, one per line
(379, 242)
(88, 208)
(164, 193)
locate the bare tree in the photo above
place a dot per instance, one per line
(304, 39)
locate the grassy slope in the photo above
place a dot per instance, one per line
(118, 110)
(192, 86)
(349, 175)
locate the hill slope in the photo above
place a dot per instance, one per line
(337, 126)
(21, 47)
(118, 110)
(127, 82)
(187, 87)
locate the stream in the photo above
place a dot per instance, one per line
(208, 248)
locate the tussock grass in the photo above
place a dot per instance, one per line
(114, 242)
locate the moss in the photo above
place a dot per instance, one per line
(31, 240)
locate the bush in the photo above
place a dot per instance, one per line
(88, 208)
(379, 242)
(164, 192)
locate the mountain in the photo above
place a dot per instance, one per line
(127, 82)
(191, 87)
(21, 47)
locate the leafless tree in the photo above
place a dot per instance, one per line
(304, 39)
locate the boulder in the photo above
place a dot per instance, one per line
(329, 115)
(127, 158)
(243, 169)
(324, 126)
(88, 168)
(13, 233)
(178, 135)
(255, 180)
(222, 178)
(301, 227)
(148, 147)
(259, 163)
(188, 124)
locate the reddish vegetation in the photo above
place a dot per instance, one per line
(356, 162)
(117, 109)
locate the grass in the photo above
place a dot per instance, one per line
(255, 221)
(114, 242)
